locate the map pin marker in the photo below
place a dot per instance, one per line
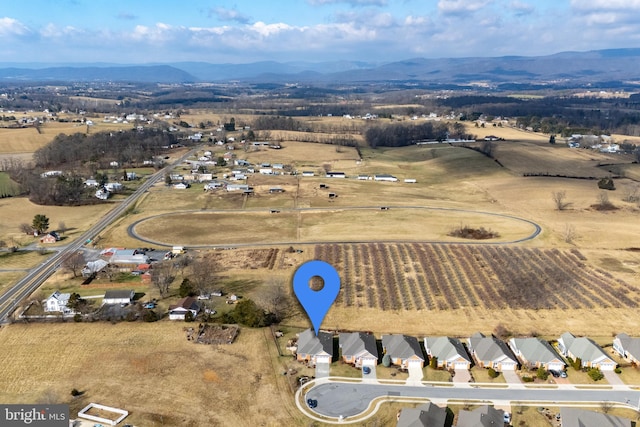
(316, 303)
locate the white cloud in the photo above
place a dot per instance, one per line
(224, 14)
(353, 3)
(605, 4)
(461, 7)
(521, 8)
(10, 26)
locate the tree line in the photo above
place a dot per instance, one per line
(400, 134)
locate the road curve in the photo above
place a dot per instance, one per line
(350, 399)
(537, 229)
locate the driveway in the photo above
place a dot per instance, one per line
(322, 370)
(462, 376)
(613, 378)
(415, 375)
(512, 378)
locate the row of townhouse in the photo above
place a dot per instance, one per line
(360, 349)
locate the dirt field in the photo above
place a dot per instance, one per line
(151, 370)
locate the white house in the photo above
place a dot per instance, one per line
(179, 310)
(113, 187)
(118, 297)
(57, 302)
(308, 173)
(335, 174)
(102, 194)
(181, 186)
(385, 177)
(266, 171)
(91, 183)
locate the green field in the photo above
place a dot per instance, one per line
(8, 187)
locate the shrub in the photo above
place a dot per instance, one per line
(188, 317)
(150, 316)
(595, 374)
(527, 379)
(618, 370)
(75, 392)
(542, 374)
(433, 362)
(77, 317)
(386, 360)
(493, 373)
(606, 184)
(577, 364)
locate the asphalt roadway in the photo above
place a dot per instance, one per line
(348, 399)
(10, 299)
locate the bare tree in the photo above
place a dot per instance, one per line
(26, 228)
(606, 406)
(74, 263)
(603, 201)
(569, 233)
(275, 299)
(62, 227)
(501, 332)
(631, 194)
(488, 148)
(162, 276)
(560, 200)
(111, 271)
(202, 272)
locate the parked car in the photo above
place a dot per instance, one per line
(555, 374)
(366, 370)
(563, 374)
(312, 403)
(507, 418)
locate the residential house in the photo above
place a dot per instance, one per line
(113, 187)
(536, 353)
(57, 302)
(576, 417)
(238, 187)
(627, 347)
(51, 237)
(314, 349)
(363, 177)
(102, 194)
(358, 349)
(179, 310)
(589, 352)
(118, 297)
(484, 416)
(181, 186)
(427, 415)
(449, 352)
(91, 183)
(403, 350)
(490, 352)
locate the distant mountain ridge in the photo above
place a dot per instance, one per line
(579, 67)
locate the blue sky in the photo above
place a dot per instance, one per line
(240, 31)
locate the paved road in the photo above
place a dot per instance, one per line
(131, 230)
(10, 299)
(337, 399)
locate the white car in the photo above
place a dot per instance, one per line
(507, 418)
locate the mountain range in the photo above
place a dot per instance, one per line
(611, 65)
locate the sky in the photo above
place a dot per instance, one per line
(242, 31)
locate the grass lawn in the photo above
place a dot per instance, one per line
(431, 374)
(481, 375)
(390, 373)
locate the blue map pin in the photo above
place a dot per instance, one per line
(316, 303)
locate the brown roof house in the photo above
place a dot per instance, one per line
(179, 310)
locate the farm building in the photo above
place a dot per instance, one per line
(212, 185)
(113, 187)
(410, 181)
(364, 177)
(118, 297)
(179, 310)
(181, 186)
(314, 349)
(276, 190)
(91, 183)
(385, 177)
(336, 175)
(128, 256)
(308, 173)
(93, 267)
(266, 171)
(237, 187)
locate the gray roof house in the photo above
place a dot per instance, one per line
(589, 352)
(449, 352)
(358, 348)
(118, 297)
(314, 349)
(536, 352)
(403, 350)
(427, 415)
(491, 352)
(575, 417)
(484, 416)
(627, 347)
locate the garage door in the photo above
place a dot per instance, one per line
(369, 362)
(505, 366)
(607, 366)
(414, 363)
(555, 366)
(323, 359)
(461, 365)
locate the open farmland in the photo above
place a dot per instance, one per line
(448, 277)
(151, 370)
